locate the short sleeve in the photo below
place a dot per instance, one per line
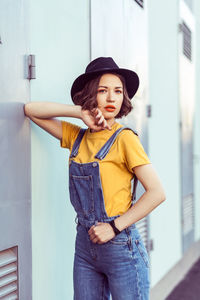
(69, 134)
(132, 150)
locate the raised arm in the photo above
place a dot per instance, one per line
(44, 115)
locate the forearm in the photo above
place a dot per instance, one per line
(147, 202)
(45, 110)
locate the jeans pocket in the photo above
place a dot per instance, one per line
(120, 239)
(142, 251)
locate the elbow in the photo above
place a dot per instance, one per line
(27, 109)
(158, 194)
(162, 196)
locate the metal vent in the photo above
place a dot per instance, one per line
(187, 41)
(140, 2)
(188, 214)
(8, 274)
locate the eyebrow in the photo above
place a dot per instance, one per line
(117, 87)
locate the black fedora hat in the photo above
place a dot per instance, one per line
(103, 65)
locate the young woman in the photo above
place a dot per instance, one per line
(110, 256)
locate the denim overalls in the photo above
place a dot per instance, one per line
(120, 266)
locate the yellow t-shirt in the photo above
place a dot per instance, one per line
(116, 172)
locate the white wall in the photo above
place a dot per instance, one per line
(165, 221)
(60, 41)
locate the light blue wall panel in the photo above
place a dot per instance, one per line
(60, 41)
(165, 222)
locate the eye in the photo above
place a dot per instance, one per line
(118, 91)
(101, 91)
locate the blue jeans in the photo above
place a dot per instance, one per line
(119, 267)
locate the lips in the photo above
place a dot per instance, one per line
(110, 108)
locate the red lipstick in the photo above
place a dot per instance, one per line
(110, 108)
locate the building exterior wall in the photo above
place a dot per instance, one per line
(59, 35)
(60, 40)
(15, 158)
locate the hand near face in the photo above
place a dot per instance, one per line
(94, 119)
(101, 233)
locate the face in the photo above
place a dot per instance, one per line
(110, 95)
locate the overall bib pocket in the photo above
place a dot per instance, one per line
(81, 194)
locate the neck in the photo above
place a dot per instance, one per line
(111, 122)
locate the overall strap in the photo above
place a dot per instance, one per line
(133, 198)
(77, 143)
(105, 149)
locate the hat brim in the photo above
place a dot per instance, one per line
(131, 79)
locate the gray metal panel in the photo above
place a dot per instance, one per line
(15, 156)
(15, 192)
(187, 187)
(186, 139)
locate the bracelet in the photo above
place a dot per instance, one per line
(112, 224)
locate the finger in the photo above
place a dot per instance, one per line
(91, 229)
(101, 120)
(92, 237)
(95, 240)
(96, 111)
(99, 114)
(105, 125)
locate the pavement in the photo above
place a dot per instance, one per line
(189, 287)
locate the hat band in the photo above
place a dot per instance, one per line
(102, 69)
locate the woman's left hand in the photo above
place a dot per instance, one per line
(101, 233)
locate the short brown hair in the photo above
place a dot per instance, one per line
(87, 96)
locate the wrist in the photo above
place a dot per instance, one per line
(78, 109)
(115, 229)
(119, 224)
(73, 111)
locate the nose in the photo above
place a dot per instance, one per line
(111, 97)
